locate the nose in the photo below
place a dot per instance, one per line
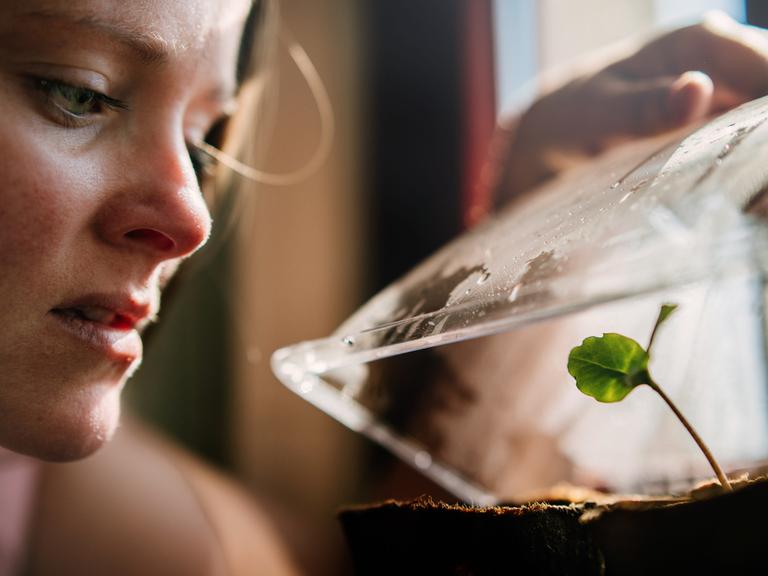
(156, 206)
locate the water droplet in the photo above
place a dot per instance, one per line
(484, 277)
(306, 387)
(467, 291)
(422, 460)
(513, 294)
(348, 340)
(624, 198)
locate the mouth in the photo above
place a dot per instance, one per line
(110, 325)
(97, 315)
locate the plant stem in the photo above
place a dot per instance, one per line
(711, 459)
(650, 341)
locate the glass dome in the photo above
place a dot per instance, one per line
(459, 367)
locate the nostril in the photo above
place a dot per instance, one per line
(152, 239)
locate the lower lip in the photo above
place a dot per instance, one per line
(120, 345)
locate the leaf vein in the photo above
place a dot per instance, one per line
(609, 368)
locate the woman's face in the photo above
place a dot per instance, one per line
(98, 199)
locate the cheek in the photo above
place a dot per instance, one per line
(64, 404)
(44, 200)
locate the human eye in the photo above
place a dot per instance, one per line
(74, 106)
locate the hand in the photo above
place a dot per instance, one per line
(676, 79)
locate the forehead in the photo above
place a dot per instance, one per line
(158, 28)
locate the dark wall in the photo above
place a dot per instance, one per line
(757, 12)
(413, 86)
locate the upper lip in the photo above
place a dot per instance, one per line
(131, 310)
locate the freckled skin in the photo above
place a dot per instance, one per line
(100, 208)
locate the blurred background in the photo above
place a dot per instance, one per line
(416, 88)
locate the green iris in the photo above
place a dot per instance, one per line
(74, 100)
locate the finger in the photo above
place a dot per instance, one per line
(690, 99)
(733, 55)
(736, 56)
(645, 108)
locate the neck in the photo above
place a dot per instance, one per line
(18, 482)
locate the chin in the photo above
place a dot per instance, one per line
(65, 430)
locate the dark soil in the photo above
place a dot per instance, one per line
(704, 534)
(427, 537)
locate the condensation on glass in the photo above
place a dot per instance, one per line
(459, 368)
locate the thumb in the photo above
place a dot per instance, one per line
(652, 107)
(690, 98)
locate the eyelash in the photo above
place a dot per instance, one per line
(99, 102)
(202, 163)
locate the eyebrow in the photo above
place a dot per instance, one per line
(149, 48)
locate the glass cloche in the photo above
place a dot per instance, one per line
(459, 367)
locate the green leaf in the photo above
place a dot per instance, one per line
(608, 367)
(666, 310)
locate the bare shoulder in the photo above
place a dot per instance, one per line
(143, 506)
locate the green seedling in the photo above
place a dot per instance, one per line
(611, 366)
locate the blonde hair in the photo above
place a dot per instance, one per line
(243, 135)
